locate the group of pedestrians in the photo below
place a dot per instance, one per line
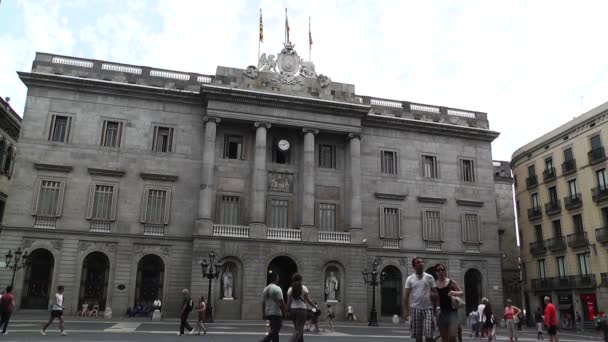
(186, 308)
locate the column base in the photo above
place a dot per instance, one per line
(357, 235)
(309, 233)
(203, 227)
(257, 230)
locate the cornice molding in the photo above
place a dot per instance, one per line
(436, 200)
(52, 167)
(158, 177)
(387, 196)
(106, 172)
(468, 202)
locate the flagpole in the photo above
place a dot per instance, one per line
(309, 42)
(285, 26)
(259, 35)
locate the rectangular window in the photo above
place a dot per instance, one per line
(605, 216)
(557, 229)
(49, 198)
(327, 156)
(390, 222)
(549, 163)
(601, 179)
(230, 210)
(538, 232)
(388, 162)
(431, 225)
(102, 202)
(535, 202)
(596, 142)
(156, 206)
(583, 264)
(60, 128)
(471, 231)
(542, 270)
(163, 139)
(111, 134)
(568, 154)
(327, 217)
(233, 147)
(467, 170)
(429, 166)
(561, 266)
(531, 171)
(553, 195)
(572, 189)
(279, 213)
(577, 220)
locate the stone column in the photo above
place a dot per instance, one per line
(308, 179)
(259, 176)
(355, 181)
(207, 189)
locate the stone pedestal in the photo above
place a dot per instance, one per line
(257, 231)
(157, 315)
(309, 234)
(203, 227)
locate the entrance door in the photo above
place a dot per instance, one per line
(38, 279)
(94, 280)
(285, 267)
(150, 277)
(472, 289)
(391, 291)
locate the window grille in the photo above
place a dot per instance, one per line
(467, 170)
(390, 223)
(279, 213)
(111, 134)
(60, 128)
(431, 225)
(163, 139)
(230, 210)
(156, 204)
(327, 156)
(102, 202)
(471, 231)
(429, 167)
(327, 217)
(388, 162)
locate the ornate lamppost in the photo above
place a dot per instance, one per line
(371, 278)
(211, 270)
(16, 262)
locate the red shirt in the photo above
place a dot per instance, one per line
(6, 303)
(550, 315)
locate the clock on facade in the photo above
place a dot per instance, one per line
(283, 145)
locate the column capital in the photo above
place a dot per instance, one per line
(311, 130)
(354, 136)
(212, 118)
(258, 124)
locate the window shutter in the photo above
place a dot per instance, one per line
(36, 196)
(59, 206)
(52, 128)
(167, 207)
(399, 234)
(91, 201)
(103, 132)
(114, 203)
(317, 215)
(154, 133)
(381, 212)
(144, 205)
(170, 144)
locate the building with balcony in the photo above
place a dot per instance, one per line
(563, 248)
(10, 126)
(131, 175)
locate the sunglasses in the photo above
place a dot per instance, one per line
(440, 269)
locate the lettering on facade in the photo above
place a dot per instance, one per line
(280, 182)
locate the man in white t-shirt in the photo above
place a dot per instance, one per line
(273, 308)
(56, 312)
(480, 309)
(422, 289)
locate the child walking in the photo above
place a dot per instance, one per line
(202, 306)
(330, 316)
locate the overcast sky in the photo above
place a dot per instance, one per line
(531, 65)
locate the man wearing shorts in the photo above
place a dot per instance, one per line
(551, 320)
(422, 289)
(56, 312)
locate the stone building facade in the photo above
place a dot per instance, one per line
(10, 124)
(131, 175)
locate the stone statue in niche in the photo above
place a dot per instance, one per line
(332, 286)
(227, 283)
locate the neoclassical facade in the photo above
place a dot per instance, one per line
(131, 175)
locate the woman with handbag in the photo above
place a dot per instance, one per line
(489, 323)
(511, 317)
(297, 298)
(450, 299)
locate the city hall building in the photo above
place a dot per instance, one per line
(129, 176)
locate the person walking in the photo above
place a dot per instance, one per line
(273, 308)
(297, 298)
(473, 323)
(187, 306)
(480, 309)
(419, 300)
(511, 314)
(447, 289)
(579, 322)
(551, 320)
(330, 316)
(56, 312)
(7, 306)
(202, 306)
(538, 318)
(488, 322)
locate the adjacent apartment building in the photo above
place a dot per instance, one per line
(10, 125)
(562, 208)
(129, 176)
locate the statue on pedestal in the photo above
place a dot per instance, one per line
(331, 287)
(227, 284)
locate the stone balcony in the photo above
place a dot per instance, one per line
(283, 234)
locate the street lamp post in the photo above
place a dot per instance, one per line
(16, 262)
(211, 270)
(371, 278)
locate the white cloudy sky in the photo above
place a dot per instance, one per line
(531, 65)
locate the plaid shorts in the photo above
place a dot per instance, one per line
(422, 323)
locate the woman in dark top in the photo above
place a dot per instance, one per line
(489, 323)
(448, 317)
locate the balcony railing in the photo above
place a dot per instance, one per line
(554, 207)
(284, 234)
(534, 213)
(542, 284)
(100, 226)
(578, 240)
(390, 243)
(531, 182)
(585, 281)
(154, 229)
(471, 247)
(538, 247)
(601, 234)
(230, 230)
(549, 174)
(45, 222)
(334, 237)
(600, 193)
(432, 245)
(596, 155)
(564, 283)
(604, 278)
(556, 244)
(573, 201)
(569, 166)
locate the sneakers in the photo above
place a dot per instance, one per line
(5, 333)
(179, 334)
(42, 333)
(192, 332)
(63, 333)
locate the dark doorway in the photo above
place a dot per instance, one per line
(391, 291)
(472, 289)
(38, 279)
(150, 278)
(285, 267)
(94, 281)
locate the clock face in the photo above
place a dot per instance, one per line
(283, 145)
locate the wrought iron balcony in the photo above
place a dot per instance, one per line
(554, 207)
(538, 247)
(564, 283)
(600, 193)
(601, 234)
(556, 244)
(549, 174)
(596, 155)
(578, 240)
(584, 281)
(573, 201)
(569, 166)
(541, 284)
(535, 213)
(604, 278)
(531, 182)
